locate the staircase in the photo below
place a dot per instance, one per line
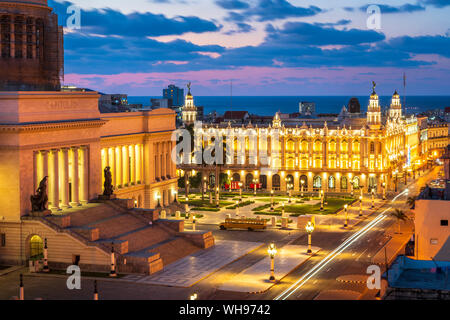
(141, 243)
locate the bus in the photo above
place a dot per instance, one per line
(247, 223)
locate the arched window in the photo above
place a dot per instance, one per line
(317, 145)
(331, 182)
(344, 182)
(304, 146)
(289, 182)
(356, 182)
(344, 146)
(276, 182)
(236, 177)
(332, 146)
(290, 146)
(317, 183)
(304, 181)
(263, 181)
(356, 146)
(248, 180)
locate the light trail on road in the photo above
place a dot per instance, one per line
(336, 252)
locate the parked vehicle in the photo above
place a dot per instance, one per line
(247, 223)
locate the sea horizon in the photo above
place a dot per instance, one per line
(268, 105)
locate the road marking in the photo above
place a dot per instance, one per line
(316, 269)
(313, 271)
(328, 269)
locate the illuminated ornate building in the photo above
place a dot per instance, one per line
(189, 110)
(333, 154)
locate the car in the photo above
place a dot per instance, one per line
(246, 223)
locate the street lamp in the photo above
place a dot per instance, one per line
(282, 210)
(237, 209)
(373, 198)
(217, 197)
(271, 200)
(346, 216)
(302, 183)
(309, 229)
(203, 188)
(193, 222)
(360, 206)
(240, 191)
(254, 186)
(321, 200)
(272, 250)
(193, 296)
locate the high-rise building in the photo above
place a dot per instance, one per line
(31, 47)
(175, 94)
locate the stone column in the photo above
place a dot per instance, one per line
(54, 180)
(133, 164)
(85, 175)
(141, 159)
(75, 178)
(112, 165)
(119, 164)
(36, 173)
(126, 166)
(65, 178)
(44, 163)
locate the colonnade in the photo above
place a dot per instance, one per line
(67, 170)
(126, 163)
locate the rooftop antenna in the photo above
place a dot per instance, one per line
(404, 93)
(231, 98)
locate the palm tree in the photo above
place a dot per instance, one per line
(411, 202)
(400, 216)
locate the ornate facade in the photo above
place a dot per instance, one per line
(333, 154)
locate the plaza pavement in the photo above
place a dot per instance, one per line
(191, 269)
(255, 279)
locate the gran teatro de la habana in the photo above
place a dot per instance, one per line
(334, 154)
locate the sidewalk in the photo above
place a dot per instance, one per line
(255, 279)
(191, 269)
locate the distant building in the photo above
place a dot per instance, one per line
(437, 137)
(354, 106)
(307, 108)
(161, 103)
(116, 103)
(236, 116)
(189, 110)
(447, 114)
(174, 93)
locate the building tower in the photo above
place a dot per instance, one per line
(395, 111)
(374, 110)
(31, 46)
(189, 111)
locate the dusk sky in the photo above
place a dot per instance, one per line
(268, 47)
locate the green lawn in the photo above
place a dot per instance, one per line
(295, 210)
(242, 204)
(205, 203)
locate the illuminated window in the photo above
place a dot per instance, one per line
(290, 146)
(344, 182)
(344, 146)
(317, 145)
(332, 146)
(304, 146)
(356, 146)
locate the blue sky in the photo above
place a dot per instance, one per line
(267, 47)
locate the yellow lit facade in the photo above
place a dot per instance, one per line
(336, 155)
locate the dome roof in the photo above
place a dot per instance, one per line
(396, 95)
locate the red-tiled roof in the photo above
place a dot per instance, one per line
(235, 115)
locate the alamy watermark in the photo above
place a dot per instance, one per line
(74, 280)
(374, 17)
(73, 21)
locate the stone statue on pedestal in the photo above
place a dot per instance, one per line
(40, 199)
(108, 187)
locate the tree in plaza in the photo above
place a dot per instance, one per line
(411, 201)
(400, 216)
